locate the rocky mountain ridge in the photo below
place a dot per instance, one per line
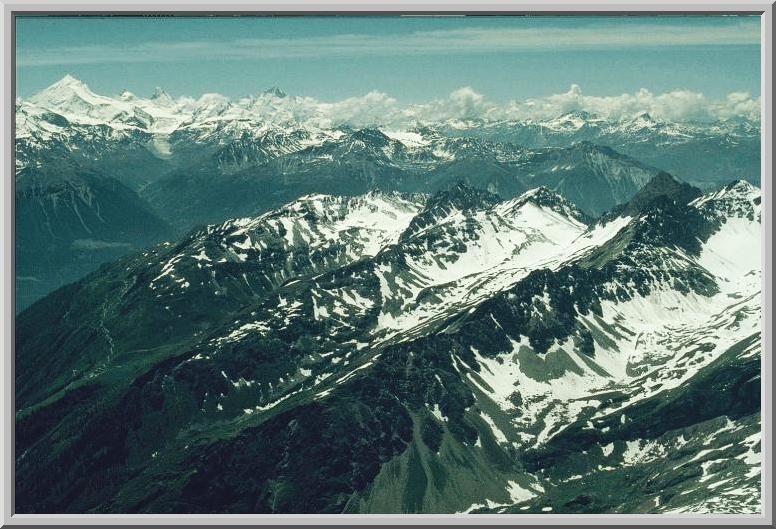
(409, 353)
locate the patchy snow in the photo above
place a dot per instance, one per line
(408, 139)
(733, 255)
(519, 494)
(497, 433)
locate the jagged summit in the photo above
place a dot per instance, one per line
(68, 81)
(126, 95)
(736, 199)
(663, 185)
(458, 198)
(574, 120)
(160, 96)
(587, 146)
(158, 93)
(60, 92)
(735, 191)
(741, 187)
(544, 197)
(662, 181)
(462, 196)
(378, 192)
(645, 117)
(538, 193)
(371, 136)
(581, 114)
(275, 91)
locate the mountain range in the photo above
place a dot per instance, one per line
(181, 163)
(412, 349)
(705, 154)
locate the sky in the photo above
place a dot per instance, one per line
(412, 59)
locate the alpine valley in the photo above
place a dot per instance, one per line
(242, 306)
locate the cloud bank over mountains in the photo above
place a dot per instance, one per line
(73, 97)
(467, 104)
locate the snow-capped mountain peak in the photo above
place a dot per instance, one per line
(742, 188)
(735, 190)
(571, 121)
(447, 203)
(75, 100)
(645, 119)
(68, 81)
(737, 199)
(543, 197)
(126, 95)
(64, 91)
(161, 97)
(275, 92)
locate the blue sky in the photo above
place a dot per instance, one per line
(410, 58)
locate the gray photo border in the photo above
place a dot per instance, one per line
(12, 8)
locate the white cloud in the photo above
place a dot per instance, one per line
(373, 108)
(676, 105)
(463, 103)
(739, 104)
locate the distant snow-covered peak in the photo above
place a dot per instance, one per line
(126, 95)
(410, 139)
(571, 121)
(645, 123)
(275, 92)
(68, 82)
(161, 97)
(74, 100)
(64, 91)
(644, 117)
